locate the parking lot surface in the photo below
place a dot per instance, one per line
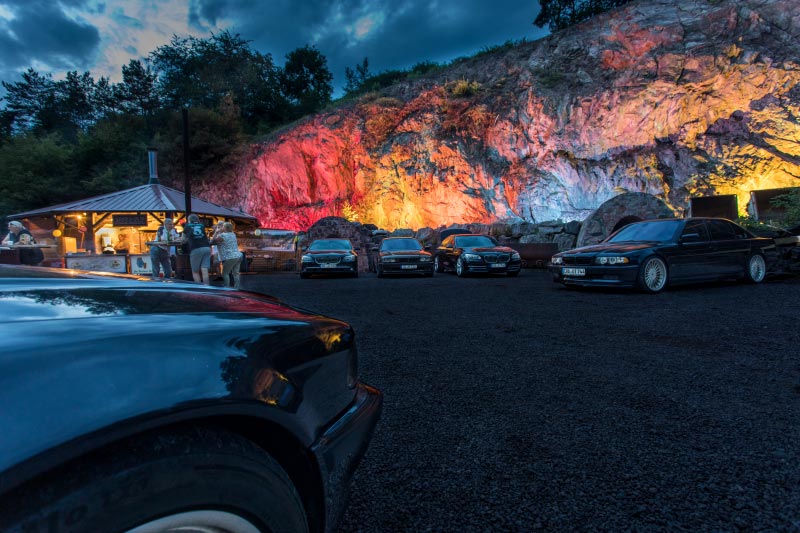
(512, 404)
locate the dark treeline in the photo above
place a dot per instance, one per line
(560, 14)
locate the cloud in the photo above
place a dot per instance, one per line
(104, 35)
(393, 34)
(42, 32)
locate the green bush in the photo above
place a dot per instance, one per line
(463, 88)
(790, 203)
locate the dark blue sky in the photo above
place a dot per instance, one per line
(101, 36)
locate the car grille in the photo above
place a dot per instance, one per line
(496, 258)
(577, 260)
(406, 260)
(327, 259)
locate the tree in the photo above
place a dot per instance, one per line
(560, 14)
(39, 105)
(112, 155)
(137, 93)
(355, 79)
(199, 73)
(306, 80)
(74, 104)
(28, 101)
(35, 171)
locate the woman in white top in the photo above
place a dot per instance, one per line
(229, 254)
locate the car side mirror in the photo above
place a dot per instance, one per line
(690, 237)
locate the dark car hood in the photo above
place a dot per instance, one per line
(403, 252)
(612, 247)
(479, 249)
(328, 252)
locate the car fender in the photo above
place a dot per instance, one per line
(56, 405)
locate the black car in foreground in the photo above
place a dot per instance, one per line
(403, 255)
(132, 405)
(329, 256)
(475, 254)
(653, 254)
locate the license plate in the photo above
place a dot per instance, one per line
(497, 265)
(328, 265)
(408, 267)
(573, 271)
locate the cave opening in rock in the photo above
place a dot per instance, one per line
(624, 221)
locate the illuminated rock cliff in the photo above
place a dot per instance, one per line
(676, 98)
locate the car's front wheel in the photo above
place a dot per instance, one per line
(192, 479)
(437, 265)
(461, 267)
(756, 269)
(653, 275)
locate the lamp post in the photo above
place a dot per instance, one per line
(187, 186)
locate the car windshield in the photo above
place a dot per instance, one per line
(659, 231)
(331, 244)
(474, 241)
(400, 244)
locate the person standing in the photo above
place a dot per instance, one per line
(19, 234)
(160, 254)
(194, 236)
(229, 254)
(122, 244)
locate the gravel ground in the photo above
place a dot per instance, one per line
(512, 404)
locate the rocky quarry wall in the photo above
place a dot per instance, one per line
(669, 98)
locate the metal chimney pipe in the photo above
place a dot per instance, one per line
(152, 163)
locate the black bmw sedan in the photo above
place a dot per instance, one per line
(403, 255)
(475, 254)
(329, 256)
(133, 406)
(653, 254)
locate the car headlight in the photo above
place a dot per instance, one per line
(389, 260)
(471, 257)
(349, 258)
(557, 260)
(515, 256)
(306, 259)
(425, 259)
(611, 260)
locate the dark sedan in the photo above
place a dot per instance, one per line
(787, 243)
(135, 406)
(403, 255)
(653, 254)
(475, 254)
(329, 256)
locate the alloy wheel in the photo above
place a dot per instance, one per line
(200, 522)
(757, 269)
(654, 274)
(461, 269)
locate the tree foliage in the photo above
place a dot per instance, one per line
(560, 14)
(306, 80)
(200, 73)
(65, 139)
